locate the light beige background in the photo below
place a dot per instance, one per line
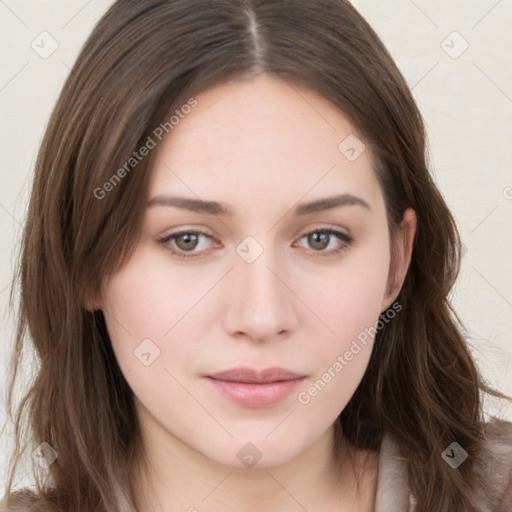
(465, 97)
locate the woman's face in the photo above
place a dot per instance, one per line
(263, 285)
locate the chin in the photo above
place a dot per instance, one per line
(258, 453)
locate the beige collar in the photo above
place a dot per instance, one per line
(393, 494)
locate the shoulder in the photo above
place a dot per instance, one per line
(493, 466)
(492, 469)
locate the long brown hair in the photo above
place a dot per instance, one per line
(143, 61)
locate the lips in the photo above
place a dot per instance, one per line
(254, 376)
(255, 388)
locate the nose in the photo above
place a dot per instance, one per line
(260, 304)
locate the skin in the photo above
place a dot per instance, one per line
(261, 146)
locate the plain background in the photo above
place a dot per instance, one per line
(456, 57)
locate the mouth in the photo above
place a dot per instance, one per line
(255, 388)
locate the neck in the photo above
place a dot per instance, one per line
(176, 478)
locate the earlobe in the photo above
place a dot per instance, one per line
(91, 306)
(401, 256)
(90, 303)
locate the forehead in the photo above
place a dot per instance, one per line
(259, 142)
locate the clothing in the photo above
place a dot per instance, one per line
(494, 469)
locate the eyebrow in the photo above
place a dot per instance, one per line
(222, 209)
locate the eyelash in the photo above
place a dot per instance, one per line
(346, 239)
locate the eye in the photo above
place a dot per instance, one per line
(321, 239)
(185, 243)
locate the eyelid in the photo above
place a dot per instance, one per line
(345, 238)
(164, 240)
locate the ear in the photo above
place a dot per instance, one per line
(401, 252)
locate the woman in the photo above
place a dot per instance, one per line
(235, 274)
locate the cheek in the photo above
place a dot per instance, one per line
(351, 306)
(155, 314)
(134, 302)
(349, 297)
(149, 295)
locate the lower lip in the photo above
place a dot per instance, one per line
(256, 395)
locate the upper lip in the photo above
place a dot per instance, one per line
(253, 375)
